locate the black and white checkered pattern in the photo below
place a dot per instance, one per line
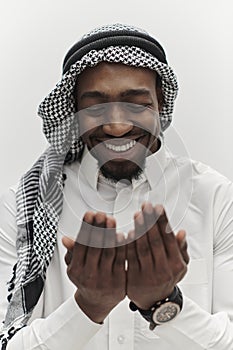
(39, 196)
(39, 204)
(112, 28)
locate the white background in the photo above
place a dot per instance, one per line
(197, 36)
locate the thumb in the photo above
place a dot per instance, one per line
(183, 246)
(68, 243)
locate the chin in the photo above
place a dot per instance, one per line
(125, 170)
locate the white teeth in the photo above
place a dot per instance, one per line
(122, 148)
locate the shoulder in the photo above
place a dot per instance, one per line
(8, 226)
(205, 187)
(199, 173)
(8, 198)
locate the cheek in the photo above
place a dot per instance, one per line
(149, 123)
(87, 126)
(153, 144)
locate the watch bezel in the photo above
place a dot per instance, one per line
(156, 313)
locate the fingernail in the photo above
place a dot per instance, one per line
(159, 209)
(110, 223)
(88, 217)
(119, 237)
(140, 219)
(148, 208)
(131, 234)
(99, 218)
(183, 243)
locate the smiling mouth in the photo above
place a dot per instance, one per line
(120, 148)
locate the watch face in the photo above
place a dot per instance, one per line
(166, 312)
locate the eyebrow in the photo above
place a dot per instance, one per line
(135, 92)
(94, 94)
(126, 93)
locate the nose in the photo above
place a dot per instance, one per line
(116, 122)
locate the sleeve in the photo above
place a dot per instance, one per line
(8, 254)
(213, 331)
(59, 330)
(66, 328)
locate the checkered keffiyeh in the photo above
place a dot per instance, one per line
(40, 193)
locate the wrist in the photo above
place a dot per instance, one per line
(162, 311)
(95, 312)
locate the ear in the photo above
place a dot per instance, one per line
(160, 97)
(159, 91)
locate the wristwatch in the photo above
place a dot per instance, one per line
(162, 311)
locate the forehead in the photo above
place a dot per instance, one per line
(110, 77)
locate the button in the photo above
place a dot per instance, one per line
(121, 339)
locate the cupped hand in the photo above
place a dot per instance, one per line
(157, 259)
(96, 266)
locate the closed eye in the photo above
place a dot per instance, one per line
(137, 108)
(95, 110)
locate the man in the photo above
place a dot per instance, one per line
(101, 197)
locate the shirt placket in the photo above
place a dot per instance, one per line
(121, 328)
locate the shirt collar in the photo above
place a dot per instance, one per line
(154, 168)
(89, 168)
(155, 165)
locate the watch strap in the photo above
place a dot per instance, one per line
(175, 297)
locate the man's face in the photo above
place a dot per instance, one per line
(118, 117)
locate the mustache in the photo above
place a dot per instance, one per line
(135, 131)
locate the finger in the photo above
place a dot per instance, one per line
(96, 241)
(142, 243)
(139, 228)
(96, 237)
(68, 257)
(131, 253)
(68, 243)
(86, 227)
(168, 237)
(120, 239)
(155, 239)
(149, 215)
(110, 233)
(120, 262)
(183, 246)
(150, 221)
(131, 237)
(108, 251)
(81, 244)
(174, 256)
(162, 219)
